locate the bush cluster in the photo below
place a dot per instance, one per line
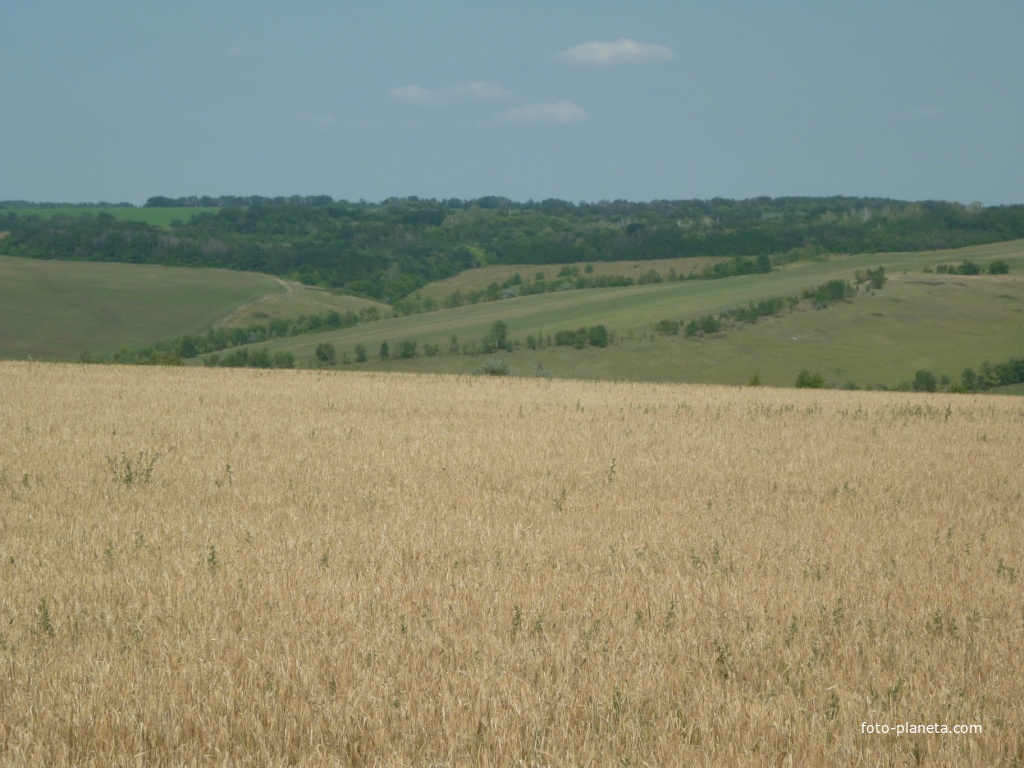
(257, 358)
(595, 336)
(176, 351)
(703, 325)
(966, 267)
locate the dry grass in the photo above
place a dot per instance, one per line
(306, 568)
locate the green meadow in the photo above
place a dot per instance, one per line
(920, 320)
(479, 279)
(55, 310)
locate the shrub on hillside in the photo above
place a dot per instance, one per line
(807, 380)
(924, 381)
(701, 325)
(326, 353)
(493, 367)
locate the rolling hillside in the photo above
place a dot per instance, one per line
(936, 322)
(920, 320)
(56, 310)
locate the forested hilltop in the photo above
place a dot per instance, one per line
(388, 250)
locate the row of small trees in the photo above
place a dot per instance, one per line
(217, 339)
(495, 340)
(256, 358)
(987, 377)
(820, 296)
(569, 278)
(966, 267)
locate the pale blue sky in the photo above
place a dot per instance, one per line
(584, 101)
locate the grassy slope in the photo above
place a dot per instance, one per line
(55, 310)
(299, 300)
(479, 279)
(942, 323)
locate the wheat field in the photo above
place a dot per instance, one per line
(234, 568)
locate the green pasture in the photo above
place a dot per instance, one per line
(298, 299)
(480, 278)
(55, 310)
(1012, 389)
(941, 323)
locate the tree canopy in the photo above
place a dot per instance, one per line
(388, 250)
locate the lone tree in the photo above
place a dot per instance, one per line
(807, 380)
(326, 353)
(877, 277)
(497, 338)
(924, 381)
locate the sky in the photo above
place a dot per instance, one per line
(118, 101)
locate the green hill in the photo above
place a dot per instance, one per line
(391, 250)
(918, 321)
(928, 317)
(56, 310)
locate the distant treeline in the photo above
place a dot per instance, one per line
(235, 201)
(390, 249)
(218, 338)
(988, 377)
(28, 204)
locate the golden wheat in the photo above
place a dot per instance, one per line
(210, 567)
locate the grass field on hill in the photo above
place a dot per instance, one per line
(942, 323)
(56, 310)
(297, 300)
(937, 322)
(478, 279)
(309, 568)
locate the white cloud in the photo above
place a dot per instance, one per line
(621, 51)
(475, 90)
(478, 89)
(414, 94)
(547, 112)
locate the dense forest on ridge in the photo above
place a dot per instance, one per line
(388, 250)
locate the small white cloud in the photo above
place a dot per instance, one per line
(548, 112)
(475, 90)
(622, 51)
(414, 94)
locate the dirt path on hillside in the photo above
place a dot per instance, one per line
(237, 311)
